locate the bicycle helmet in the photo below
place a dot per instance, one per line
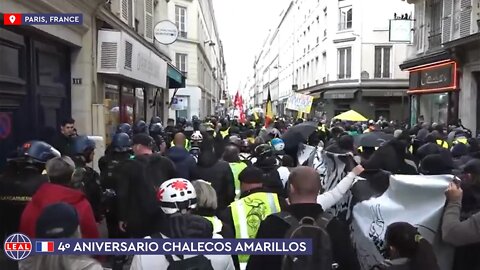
(263, 150)
(196, 137)
(278, 144)
(177, 195)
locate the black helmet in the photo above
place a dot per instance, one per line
(121, 142)
(35, 152)
(263, 150)
(82, 145)
(181, 121)
(155, 119)
(194, 118)
(124, 128)
(156, 129)
(140, 127)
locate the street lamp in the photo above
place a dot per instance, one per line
(209, 42)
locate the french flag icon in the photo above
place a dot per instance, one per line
(44, 246)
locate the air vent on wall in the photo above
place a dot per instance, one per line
(108, 57)
(128, 55)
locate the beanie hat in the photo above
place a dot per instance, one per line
(59, 220)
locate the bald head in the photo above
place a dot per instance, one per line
(304, 184)
(231, 154)
(179, 140)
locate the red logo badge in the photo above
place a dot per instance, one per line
(12, 19)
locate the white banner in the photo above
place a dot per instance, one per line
(381, 200)
(416, 199)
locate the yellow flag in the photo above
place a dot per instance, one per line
(268, 108)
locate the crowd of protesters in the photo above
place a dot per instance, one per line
(220, 178)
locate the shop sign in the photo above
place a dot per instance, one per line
(436, 78)
(123, 55)
(166, 32)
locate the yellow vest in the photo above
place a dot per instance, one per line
(249, 212)
(187, 144)
(216, 223)
(224, 133)
(237, 168)
(442, 143)
(460, 140)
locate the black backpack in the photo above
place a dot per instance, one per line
(309, 228)
(198, 262)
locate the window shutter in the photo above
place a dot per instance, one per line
(420, 26)
(124, 11)
(465, 18)
(148, 31)
(447, 20)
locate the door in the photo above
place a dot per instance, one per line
(51, 80)
(14, 93)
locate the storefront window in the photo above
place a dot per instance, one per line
(112, 111)
(433, 108)
(140, 105)
(127, 106)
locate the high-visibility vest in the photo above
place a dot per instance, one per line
(321, 128)
(216, 223)
(187, 144)
(237, 168)
(249, 212)
(224, 133)
(462, 139)
(442, 143)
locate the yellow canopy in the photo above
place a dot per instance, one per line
(351, 116)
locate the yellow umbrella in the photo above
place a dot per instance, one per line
(351, 116)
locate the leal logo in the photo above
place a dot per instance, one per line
(17, 246)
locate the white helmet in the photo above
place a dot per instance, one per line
(177, 195)
(197, 136)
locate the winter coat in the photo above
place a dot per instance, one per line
(391, 157)
(274, 227)
(184, 162)
(138, 179)
(48, 194)
(219, 174)
(63, 144)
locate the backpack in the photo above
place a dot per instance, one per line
(198, 262)
(309, 228)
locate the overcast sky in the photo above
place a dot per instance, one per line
(243, 26)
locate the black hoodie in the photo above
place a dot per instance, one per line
(219, 174)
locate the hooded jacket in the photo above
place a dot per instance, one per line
(219, 174)
(50, 193)
(184, 162)
(137, 180)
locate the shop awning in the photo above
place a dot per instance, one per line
(384, 92)
(340, 94)
(175, 78)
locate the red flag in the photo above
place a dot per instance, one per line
(236, 100)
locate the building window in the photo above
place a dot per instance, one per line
(382, 62)
(434, 8)
(341, 108)
(345, 63)
(181, 20)
(181, 62)
(346, 18)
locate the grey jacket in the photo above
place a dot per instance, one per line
(66, 262)
(459, 233)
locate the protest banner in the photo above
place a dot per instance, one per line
(381, 199)
(299, 102)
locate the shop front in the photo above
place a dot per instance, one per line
(434, 92)
(133, 79)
